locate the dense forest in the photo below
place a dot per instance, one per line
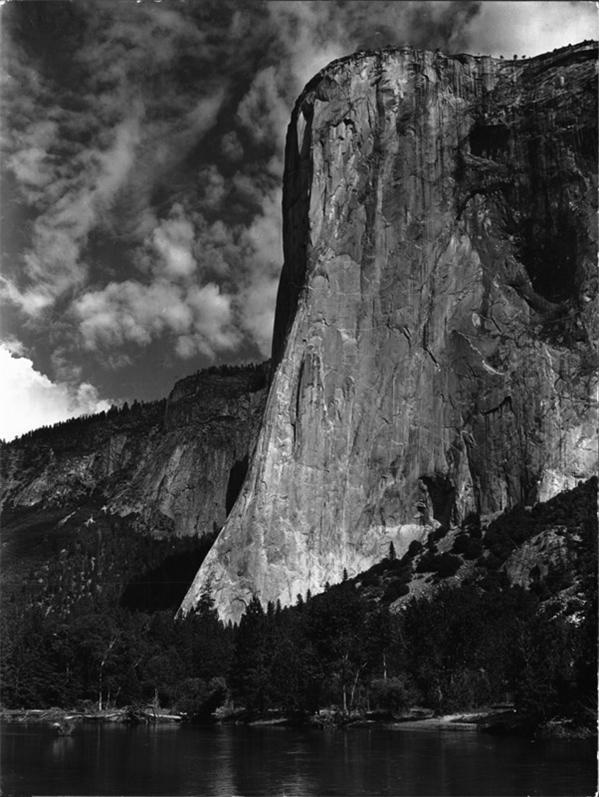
(95, 627)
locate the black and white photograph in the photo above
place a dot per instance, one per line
(299, 398)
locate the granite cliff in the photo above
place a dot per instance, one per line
(434, 345)
(172, 467)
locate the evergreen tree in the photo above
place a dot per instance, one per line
(249, 676)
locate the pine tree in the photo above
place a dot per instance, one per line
(250, 669)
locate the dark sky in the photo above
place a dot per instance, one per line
(141, 175)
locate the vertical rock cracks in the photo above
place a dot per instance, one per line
(436, 315)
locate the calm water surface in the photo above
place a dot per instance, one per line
(116, 760)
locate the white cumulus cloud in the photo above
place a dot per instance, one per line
(29, 399)
(173, 241)
(199, 318)
(530, 28)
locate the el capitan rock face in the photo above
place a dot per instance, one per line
(436, 319)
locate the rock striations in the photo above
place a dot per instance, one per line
(436, 318)
(171, 467)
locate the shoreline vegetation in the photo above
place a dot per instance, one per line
(502, 719)
(442, 627)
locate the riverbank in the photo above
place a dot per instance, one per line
(501, 720)
(490, 720)
(126, 714)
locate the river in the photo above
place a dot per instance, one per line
(236, 760)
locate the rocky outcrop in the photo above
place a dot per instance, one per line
(548, 551)
(173, 467)
(436, 317)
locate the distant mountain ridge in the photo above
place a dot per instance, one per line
(172, 466)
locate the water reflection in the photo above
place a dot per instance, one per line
(274, 761)
(61, 747)
(224, 783)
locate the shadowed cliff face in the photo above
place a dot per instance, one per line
(436, 320)
(172, 467)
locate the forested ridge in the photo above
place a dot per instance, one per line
(93, 625)
(87, 432)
